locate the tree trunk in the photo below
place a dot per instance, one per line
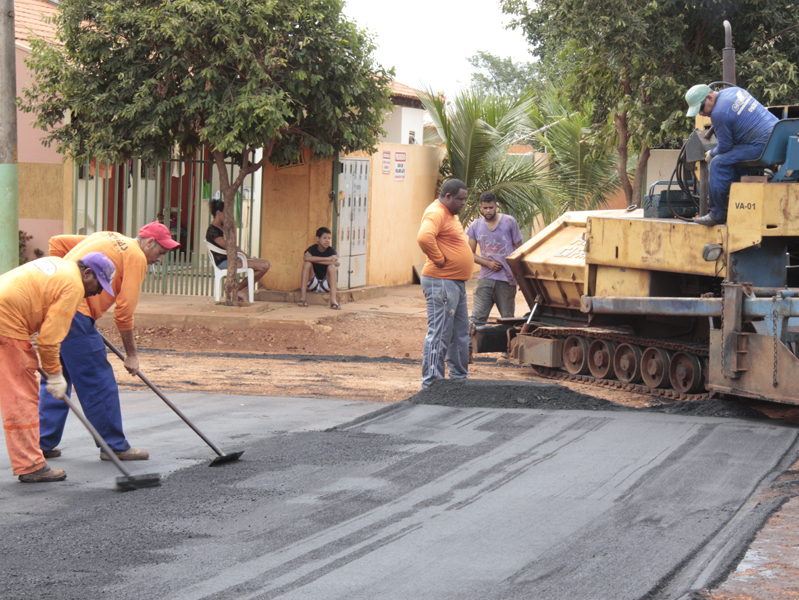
(640, 169)
(228, 191)
(620, 120)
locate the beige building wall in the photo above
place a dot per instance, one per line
(395, 211)
(295, 204)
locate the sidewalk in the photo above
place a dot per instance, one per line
(166, 310)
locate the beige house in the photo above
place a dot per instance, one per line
(373, 204)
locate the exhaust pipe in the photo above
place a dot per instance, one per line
(728, 56)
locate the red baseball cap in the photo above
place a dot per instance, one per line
(159, 233)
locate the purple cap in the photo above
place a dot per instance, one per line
(102, 267)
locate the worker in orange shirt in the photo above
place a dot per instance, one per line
(83, 352)
(42, 296)
(450, 263)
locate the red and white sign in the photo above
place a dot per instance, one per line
(386, 163)
(399, 166)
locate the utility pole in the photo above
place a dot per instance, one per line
(9, 174)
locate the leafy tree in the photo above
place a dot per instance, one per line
(501, 76)
(478, 130)
(227, 76)
(636, 58)
(582, 166)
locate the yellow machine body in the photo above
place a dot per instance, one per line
(621, 254)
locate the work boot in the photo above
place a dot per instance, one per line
(43, 475)
(129, 454)
(708, 221)
(54, 453)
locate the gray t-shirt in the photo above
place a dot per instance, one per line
(496, 245)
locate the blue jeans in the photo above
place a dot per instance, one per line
(86, 366)
(723, 173)
(488, 292)
(447, 336)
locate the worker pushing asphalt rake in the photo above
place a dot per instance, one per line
(128, 481)
(221, 457)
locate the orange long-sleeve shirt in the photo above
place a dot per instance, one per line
(131, 268)
(441, 236)
(42, 296)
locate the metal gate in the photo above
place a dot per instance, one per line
(353, 220)
(126, 196)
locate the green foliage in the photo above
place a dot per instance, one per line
(583, 166)
(24, 238)
(634, 59)
(141, 77)
(502, 76)
(478, 130)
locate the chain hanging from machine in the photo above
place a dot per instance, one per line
(721, 328)
(774, 325)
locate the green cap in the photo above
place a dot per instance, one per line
(695, 96)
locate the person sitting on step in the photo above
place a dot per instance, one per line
(319, 268)
(215, 235)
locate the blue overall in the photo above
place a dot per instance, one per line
(743, 126)
(86, 366)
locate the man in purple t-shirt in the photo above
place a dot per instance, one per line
(497, 235)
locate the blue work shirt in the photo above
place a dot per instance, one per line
(739, 119)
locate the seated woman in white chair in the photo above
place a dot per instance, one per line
(215, 236)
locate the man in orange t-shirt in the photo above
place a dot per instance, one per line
(42, 296)
(83, 352)
(450, 263)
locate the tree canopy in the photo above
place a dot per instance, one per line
(634, 59)
(502, 76)
(142, 77)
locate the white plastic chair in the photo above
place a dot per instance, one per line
(220, 274)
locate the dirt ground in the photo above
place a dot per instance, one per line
(378, 358)
(361, 356)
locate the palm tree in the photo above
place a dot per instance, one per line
(584, 170)
(478, 129)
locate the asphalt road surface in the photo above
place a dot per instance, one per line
(471, 490)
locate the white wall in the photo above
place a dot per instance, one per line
(660, 167)
(400, 122)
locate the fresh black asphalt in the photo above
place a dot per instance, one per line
(468, 490)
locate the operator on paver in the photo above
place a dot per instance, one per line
(42, 296)
(449, 265)
(83, 353)
(742, 127)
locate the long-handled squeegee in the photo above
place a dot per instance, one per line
(221, 457)
(129, 481)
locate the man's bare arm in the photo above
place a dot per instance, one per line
(131, 357)
(220, 241)
(321, 260)
(486, 262)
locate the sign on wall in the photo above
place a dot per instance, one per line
(386, 163)
(399, 166)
